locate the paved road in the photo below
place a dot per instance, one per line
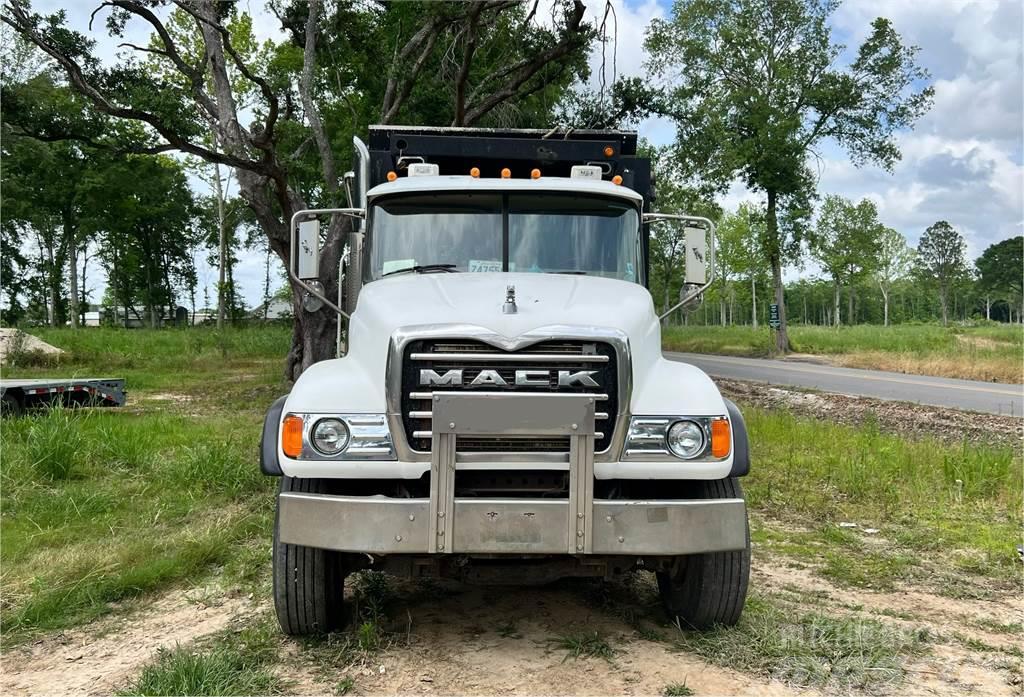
(990, 397)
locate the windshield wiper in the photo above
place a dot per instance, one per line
(426, 268)
(571, 273)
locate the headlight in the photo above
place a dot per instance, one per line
(330, 436)
(685, 439)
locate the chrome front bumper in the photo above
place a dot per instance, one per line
(578, 525)
(381, 525)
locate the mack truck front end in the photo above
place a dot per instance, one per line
(500, 410)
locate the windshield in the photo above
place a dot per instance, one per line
(526, 232)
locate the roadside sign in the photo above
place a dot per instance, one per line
(773, 316)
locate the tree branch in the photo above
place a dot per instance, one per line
(306, 94)
(21, 22)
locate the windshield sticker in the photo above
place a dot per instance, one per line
(397, 265)
(630, 274)
(484, 265)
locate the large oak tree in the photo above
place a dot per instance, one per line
(347, 65)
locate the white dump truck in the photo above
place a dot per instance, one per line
(500, 410)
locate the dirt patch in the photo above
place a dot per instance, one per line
(963, 658)
(897, 417)
(98, 658)
(15, 341)
(483, 641)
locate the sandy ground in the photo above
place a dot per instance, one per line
(447, 639)
(9, 339)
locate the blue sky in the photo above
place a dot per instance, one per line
(962, 162)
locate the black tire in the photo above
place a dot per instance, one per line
(10, 405)
(309, 583)
(708, 589)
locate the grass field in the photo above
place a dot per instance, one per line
(106, 509)
(989, 352)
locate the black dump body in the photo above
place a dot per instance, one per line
(458, 150)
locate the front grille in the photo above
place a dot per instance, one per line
(442, 355)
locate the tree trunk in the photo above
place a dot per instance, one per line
(83, 305)
(885, 307)
(944, 306)
(73, 280)
(850, 320)
(835, 308)
(775, 257)
(221, 244)
(753, 301)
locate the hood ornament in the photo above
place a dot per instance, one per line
(509, 308)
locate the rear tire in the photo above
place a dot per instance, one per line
(704, 590)
(309, 583)
(10, 405)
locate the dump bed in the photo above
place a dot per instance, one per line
(457, 150)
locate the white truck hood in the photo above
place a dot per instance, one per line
(356, 383)
(477, 298)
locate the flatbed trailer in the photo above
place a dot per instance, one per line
(18, 394)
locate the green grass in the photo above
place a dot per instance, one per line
(103, 506)
(677, 689)
(583, 645)
(785, 642)
(958, 505)
(227, 664)
(986, 352)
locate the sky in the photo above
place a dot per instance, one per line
(963, 162)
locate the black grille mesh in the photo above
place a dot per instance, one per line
(606, 377)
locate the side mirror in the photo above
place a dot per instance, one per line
(307, 253)
(305, 246)
(699, 273)
(696, 271)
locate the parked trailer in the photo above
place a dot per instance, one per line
(16, 395)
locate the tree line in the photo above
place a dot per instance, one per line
(755, 87)
(867, 272)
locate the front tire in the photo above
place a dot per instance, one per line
(703, 590)
(309, 583)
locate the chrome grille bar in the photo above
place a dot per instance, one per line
(510, 357)
(430, 395)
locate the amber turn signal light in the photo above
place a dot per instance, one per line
(291, 434)
(506, 173)
(392, 176)
(721, 438)
(608, 151)
(617, 180)
(535, 174)
(475, 172)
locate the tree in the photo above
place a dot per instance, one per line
(845, 243)
(365, 63)
(668, 238)
(739, 244)
(894, 261)
(941, 261)
(756, 87)
(1000, 268)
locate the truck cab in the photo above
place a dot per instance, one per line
(502, 411)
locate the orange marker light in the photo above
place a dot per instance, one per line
(392, 176)
(506, 173)
(721, 438)
(535, 174)
(475, 172)
(291, 435)
(608, 151)
(617, 180)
